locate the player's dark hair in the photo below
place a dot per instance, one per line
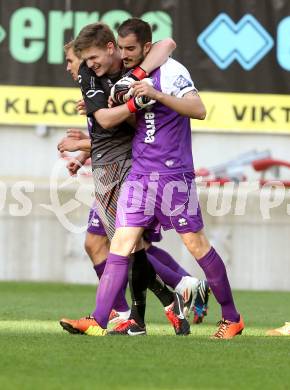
(136, 26)
(95, 34)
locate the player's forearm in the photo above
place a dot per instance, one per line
(83, 156)
(111, 117)
(85, 145)
(158, 54)
(192, 107)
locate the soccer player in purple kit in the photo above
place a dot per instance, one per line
(174, 280)
(162, 147)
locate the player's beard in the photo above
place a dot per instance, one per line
(133, 62)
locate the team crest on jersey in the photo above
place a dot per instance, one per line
(181, 82)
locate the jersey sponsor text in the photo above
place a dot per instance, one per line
(150, 126)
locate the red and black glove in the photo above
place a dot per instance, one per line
(137, 74)
(120, 92)
(138, 103)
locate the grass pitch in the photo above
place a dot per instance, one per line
(35, 353)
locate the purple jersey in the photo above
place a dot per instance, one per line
(162, 141)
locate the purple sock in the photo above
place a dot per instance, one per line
(216, 275)
(166, 259)
(166, 274)
(120, 303)
(99, 268)
(112, 281)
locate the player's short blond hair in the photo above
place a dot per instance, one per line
(71, 45)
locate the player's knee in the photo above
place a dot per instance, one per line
(122, 247)
(96, 246)
(88, 245)
(197, 244)
(124, 242)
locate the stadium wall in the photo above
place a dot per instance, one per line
(38, 244)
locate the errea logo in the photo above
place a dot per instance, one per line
(225, 41)
(169, 163)
(92, 92)
(182, 222)
(95, 222)
(150, 127)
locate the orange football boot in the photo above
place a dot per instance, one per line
(228, 329)
(85, 325)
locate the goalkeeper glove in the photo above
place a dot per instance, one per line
(120, 92)
(138, 103)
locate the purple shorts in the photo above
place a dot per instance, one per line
(95, 225)
(167, 200)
